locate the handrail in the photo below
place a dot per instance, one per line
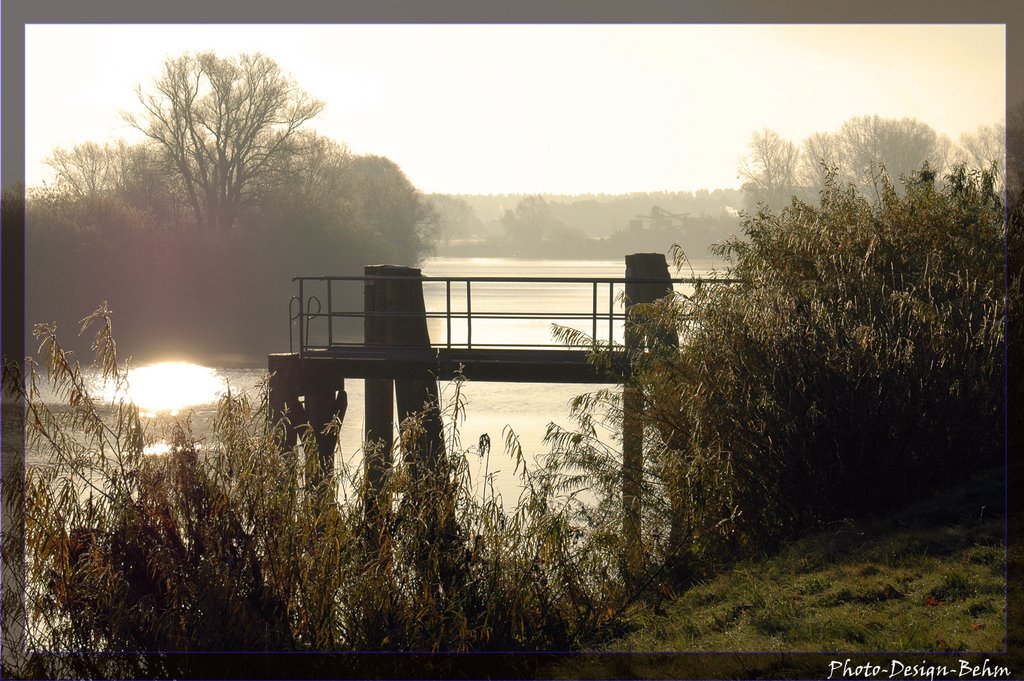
(609, 315)
(534, 280)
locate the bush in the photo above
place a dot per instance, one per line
(857, 364)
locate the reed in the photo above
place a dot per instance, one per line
(229, 545)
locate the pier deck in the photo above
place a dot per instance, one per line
(514, 365)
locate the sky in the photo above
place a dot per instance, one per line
(560, 109)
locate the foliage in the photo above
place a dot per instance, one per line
(387, 206)
(588, 226)
(197, 231)
(857, 363)
(861, 152)
(532, 228)
(207, 292)
(770, 169)
(456, 217)
(225, 126)
(868, 144)
(229, 545)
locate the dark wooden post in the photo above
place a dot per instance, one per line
(652, 268)
(311, 392)
(284, 394)
(379, 399)
(403, 326)
(324, 399)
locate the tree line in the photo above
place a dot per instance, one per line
(861, 153)
(194, 233)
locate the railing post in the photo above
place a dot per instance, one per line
(639, 266)
(302, 320)
(611, 314)
(330, 316)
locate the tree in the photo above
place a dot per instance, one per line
(869, 144)
(820, 154)
(387, 208)
(456, 218)
(134, 175)
(856, 361)
(226, 127)
(83, 171)
(531, 222)
(984, 149)
(770, 169)
(1015, 147)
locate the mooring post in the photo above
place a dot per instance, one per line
(419, 395)
(323, 400)
(396, 317)
(647, 280)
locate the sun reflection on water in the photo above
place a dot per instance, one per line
(166, 388)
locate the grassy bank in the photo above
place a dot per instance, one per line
(928, 578)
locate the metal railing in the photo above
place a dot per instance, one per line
(451, 309)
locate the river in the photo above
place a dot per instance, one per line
(169, 391)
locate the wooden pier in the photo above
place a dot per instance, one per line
(387, 343)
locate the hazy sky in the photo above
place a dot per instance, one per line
(542, 108)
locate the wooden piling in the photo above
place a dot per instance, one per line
(378, 400)
(653, 268)
(396, 318)
(307, 391)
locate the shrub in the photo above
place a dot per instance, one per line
(857, 363)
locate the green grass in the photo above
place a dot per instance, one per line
(930, 578)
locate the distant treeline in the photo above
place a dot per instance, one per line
(589, 226)
(859, 153)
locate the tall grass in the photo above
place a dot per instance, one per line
(233, 545)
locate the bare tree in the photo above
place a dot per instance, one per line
(84, 170)
(226, 127)
(820, 155)
(456, 218)
(315, 170)
(770, 169)
(984, 148)
(870, 144)
(1015, 147)
(388, 206)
